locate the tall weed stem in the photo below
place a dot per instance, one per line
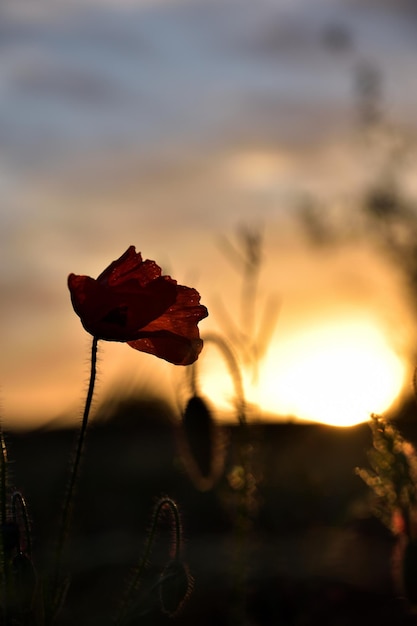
(3, 521)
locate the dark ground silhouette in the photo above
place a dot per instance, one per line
(312, 553)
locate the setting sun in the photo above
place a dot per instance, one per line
(335, 373)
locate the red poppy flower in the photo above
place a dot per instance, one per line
(132, 302)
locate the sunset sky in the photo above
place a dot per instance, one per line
(170, 124)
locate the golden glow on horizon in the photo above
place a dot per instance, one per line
(335, 373)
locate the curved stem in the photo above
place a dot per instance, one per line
(244, 458)
(164, 502)
(234, 370)
(75, 470)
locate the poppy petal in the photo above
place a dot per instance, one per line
(119, 314)
(183, 316)
(123, 265)
(174, 336)
(176, 349)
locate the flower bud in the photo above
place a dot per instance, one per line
(24, 580)
(203, 448)
(175, 586)
(198, 427)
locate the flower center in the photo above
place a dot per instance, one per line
(117, 316)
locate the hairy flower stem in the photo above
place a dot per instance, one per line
(74, 476)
